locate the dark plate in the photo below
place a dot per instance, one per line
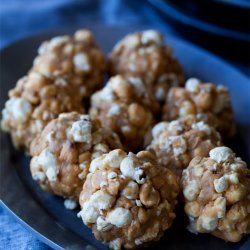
(43, 214)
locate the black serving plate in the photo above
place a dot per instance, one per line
(44, 214)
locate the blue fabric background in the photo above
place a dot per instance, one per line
(20, 18)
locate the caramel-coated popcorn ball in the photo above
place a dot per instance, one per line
(63, 151)
(143, 55)
(209, 102)
(128, 200)
(65, 71)
(217, 194)
(76, 60)
(176, 143)
(127, 107)
(34, 102)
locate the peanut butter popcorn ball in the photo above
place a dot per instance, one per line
(128, 200)
(176, 143)
(217, 193)
(63, 151)
(75, 60)
(209, 102)
(143, 55)
(127, 107)
(34, 102)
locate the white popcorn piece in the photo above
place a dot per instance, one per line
(102, 224)
(159, 128)
(114, 158)
(81, 131)
(81, 62)
(129, 169)
(199, 171)
(51, 174)
(64, 116)
(201, 126)
(185, 108)
(175, 126)
(95, 164)
(209, 223)
(114, 110)
(191, 190)
(101, 147)
(101, 200)
(128, 166)
(130, 41)
(58, 41)
(181, 142)
(91, 209)
(115, 244)
(138, 203)
(70, 204)
(138, 176)
(137, 84)
(103, 184)
(221, 154)
(39, 176)
(220, 205)
(105, 94)
(120, 217)
(115, 82)
(138, 242)
(192, 84)
(89, 214)
(18, 108)
(47, 161)
(112, 175)
(131, 190)
(221, 184)
(149, 36)
(233, 178)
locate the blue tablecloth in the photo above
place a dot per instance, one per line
(20, 18)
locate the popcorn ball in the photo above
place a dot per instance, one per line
(217, 194)
(57, 83)
(63, 151)
(127, 107)
(128, 200)
(75, 60)
(209, 102)
(34, 102)
(176, 143)
(143, 55)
